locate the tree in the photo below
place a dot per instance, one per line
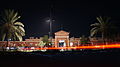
(83, 40)
(102, 26)
(41, 44)
(9, 27)
(45, 39)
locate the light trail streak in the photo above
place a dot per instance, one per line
(79, 47)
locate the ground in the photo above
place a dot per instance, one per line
(85, 58)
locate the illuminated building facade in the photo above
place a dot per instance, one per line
(61, 39)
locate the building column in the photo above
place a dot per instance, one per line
(68, 41)
(55, 41)
(78, 42)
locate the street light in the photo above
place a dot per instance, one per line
(50, 33)
(50, 20)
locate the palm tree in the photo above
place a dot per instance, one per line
(9, 27)
(102, 27)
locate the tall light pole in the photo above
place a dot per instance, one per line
(50, 32)
(50, 21)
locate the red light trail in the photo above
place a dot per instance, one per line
(79, 47)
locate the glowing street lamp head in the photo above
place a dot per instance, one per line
(48, 20)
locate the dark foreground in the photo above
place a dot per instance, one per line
(85, 58)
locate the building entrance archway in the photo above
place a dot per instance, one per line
(61, 39)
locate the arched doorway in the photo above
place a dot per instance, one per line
(62, 43)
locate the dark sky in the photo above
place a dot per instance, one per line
(75, 16)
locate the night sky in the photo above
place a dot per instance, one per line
(74, 16)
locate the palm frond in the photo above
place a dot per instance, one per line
(10, 16)
(3, 36)
(93, 32)
(11, 13)
(18, 36)
(100, 20)
(15, 19)
(19, 24)
(15, 15)
(21, 29)
(95, 24)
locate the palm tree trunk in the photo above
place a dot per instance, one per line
(103, 37)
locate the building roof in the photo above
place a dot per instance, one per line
(62, 32)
